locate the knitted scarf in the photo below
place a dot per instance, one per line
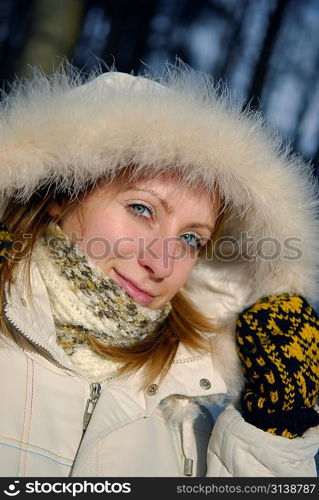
(85, 301)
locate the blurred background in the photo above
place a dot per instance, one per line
(266, 50)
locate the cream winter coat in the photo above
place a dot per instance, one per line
(156, 432)
(70, 134)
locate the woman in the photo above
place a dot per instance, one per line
(159, 257)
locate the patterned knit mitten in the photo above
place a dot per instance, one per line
(278, 345)
(6, 241)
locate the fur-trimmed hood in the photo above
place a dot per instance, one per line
(65, 131)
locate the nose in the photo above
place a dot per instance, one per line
(159, 255)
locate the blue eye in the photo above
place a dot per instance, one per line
(140, 211)
(196, 241)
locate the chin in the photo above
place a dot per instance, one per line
(158, 306)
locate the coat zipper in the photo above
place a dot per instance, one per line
(95, 387)
(34, 342)
(95, 392)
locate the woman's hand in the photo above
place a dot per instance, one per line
(278, 345)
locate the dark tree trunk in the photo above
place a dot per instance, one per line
(130, 27)
(315, 163)
(306, 101)
(234, 41)
(15, 17)
(261, 68)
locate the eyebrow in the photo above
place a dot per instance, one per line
(169, 209)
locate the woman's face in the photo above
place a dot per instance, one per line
(145, 236)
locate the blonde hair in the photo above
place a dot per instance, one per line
(156, 354)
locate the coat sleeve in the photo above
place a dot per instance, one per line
(238, 449)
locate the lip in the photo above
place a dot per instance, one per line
(133, 290)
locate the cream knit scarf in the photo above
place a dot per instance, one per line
(85, 301)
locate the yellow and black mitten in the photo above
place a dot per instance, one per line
(278, 345)
(6, 241)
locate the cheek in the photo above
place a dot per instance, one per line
(115, 239)
(182, 272)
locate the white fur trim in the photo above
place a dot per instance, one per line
(56, 130)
